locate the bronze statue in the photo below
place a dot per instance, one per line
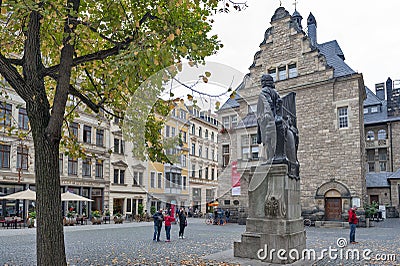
(276, 126)
(266, 112)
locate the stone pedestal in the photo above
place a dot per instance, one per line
(274, 229)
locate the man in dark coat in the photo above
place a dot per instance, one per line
(158, 219)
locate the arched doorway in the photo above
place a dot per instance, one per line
(333, 197)
(333, 205)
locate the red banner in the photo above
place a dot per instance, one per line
(235, 180)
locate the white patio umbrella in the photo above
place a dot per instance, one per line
(23, 195)
(68, 196)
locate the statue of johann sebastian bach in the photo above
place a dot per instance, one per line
(266, 112)
(276, 126)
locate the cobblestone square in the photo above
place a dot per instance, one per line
(131, 244)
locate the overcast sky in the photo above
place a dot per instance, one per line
(367, 31)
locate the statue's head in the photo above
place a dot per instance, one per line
(267, 80)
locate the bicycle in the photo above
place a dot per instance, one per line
(209, 219)
(307, 222)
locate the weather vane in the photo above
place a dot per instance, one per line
(295, 4)
(280, 3)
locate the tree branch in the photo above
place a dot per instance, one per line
(100, 55)
(16, 81)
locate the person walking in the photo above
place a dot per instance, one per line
(182, 222)
(168, 219)
(353, 221)
(158, 219)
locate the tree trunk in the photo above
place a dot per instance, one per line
(50, 235)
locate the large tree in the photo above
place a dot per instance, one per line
(98, 51)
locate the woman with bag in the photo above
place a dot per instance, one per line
(182, 222)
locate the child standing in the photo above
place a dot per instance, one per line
(168, 219)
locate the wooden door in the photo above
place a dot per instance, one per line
(333, 209)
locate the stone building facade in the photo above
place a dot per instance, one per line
(329, 103)
(382, 125)
(203, 164)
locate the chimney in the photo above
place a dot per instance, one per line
(312, 29)
(380, 91)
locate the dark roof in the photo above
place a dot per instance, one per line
(378, 179)
(335, 58)
(232, 103)
(395, 175)
(249, 121)
(371, 99)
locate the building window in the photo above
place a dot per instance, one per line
(100, 137)
(206, 173)
(213, 154)
(206, 153)
(87, 134)
(119, 146)
(167, 131)
(212, 173)
(86, 167)
(200, 132)
(183, 160)
(193, 149)
(23, 121)
(370, 135)
(343, 117)
(200, 173)
(381, 134)
(152, 179)
(72, 166)
(272, 73)
(99, 169)
(365, 110)
(254, 147)
(292, 71)
(206, 134)
(138, 178)
(193, 171)
(374, 109)
(184, 137)
(5, 114)
(233, 121)
(173, 132)
(74, 130)
(225, 155)
(371, 160)
(184, 182)
(119, 176)
(22, 157)
(159, 181)
(200, 151)
(193, 130)
(182, 115)
(212, 136)
(382, 159)
(225, 122)
(282, 73)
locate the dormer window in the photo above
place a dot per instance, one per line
(292, 70)
(282, 73)
(272, 73)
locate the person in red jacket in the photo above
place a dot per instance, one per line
(168, 219)
(353, 221)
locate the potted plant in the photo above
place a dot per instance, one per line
(71, 217)
(153, 210)
(96, 217)
(118, 218)
(31, 219)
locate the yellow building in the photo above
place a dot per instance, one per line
(168, 183)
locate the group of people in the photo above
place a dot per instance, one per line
(168, 218)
